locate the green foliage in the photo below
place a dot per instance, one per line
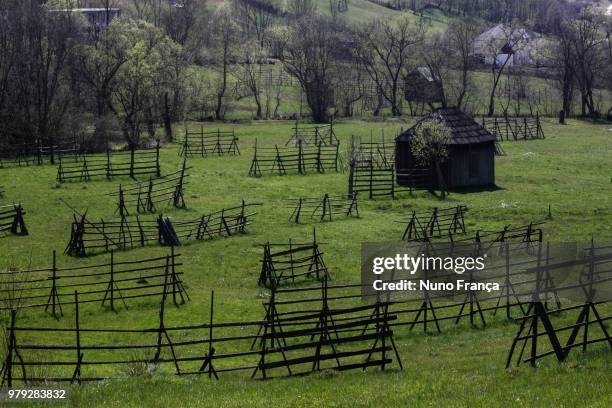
(428, 143)
(144, 74)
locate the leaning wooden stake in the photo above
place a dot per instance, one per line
(208, 363)
(161, 331)
(76, 376)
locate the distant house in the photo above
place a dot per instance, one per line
(506, 45)
(422, 86)
(95, 18)
(471, 154)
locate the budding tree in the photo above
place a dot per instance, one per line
(428, 146)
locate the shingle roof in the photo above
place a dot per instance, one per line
(463, 129)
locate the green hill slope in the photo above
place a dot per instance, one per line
(363, 11)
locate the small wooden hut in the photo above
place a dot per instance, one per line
(471, 154)
(422, 86)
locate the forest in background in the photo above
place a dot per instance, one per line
(161, 62)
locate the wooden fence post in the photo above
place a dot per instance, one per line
(76, 376)
(320, 167)
(211, 349)
(150, 206)
(336, 159)
(53, 299)
(301, 169)
(8, 364)
(132, 149)
(371, 180)
(157, 167)
(298, 210)
(60, 172)
(108, 164)
(351, 177)
(161, 327)
(326, 208)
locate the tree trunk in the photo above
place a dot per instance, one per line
(219, 108)
(441, 183)
(167, 119)
(258, 114)
(497, 73)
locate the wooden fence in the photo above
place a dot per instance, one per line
(531, 232)
(374, 182)
(108, 283)
(514, 128)
(132, 163)
(301, 341)
(89, 237)
(37, 153)
(11, 219)
(164, 191)
(379, 152)
(323, 209)
(515, 272)
(288, 262)
(205, 143)
(301, 159)
(307, 329)
(313, 135)
(298, 344)
(537, 332)
(437, 223)
(372, 170)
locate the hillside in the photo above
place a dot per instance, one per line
(363, 11)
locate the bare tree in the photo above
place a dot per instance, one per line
(181, 18)
(39, 84)
(607, 73)
(96, 65)
(224, 35)
(308, 52)
(172, 85)
(351, 87)
(588, 38)
(500, 51)
(460, 37)
(385, 48)
(560, 56)
(255, 17)
(249, 74)
(434, 54)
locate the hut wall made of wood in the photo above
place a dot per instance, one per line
(471, 165)
(466, 166)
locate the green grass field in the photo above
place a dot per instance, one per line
(570, 170)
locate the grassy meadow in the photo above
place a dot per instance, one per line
(570, 171)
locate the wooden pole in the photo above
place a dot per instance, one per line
(77, 372)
